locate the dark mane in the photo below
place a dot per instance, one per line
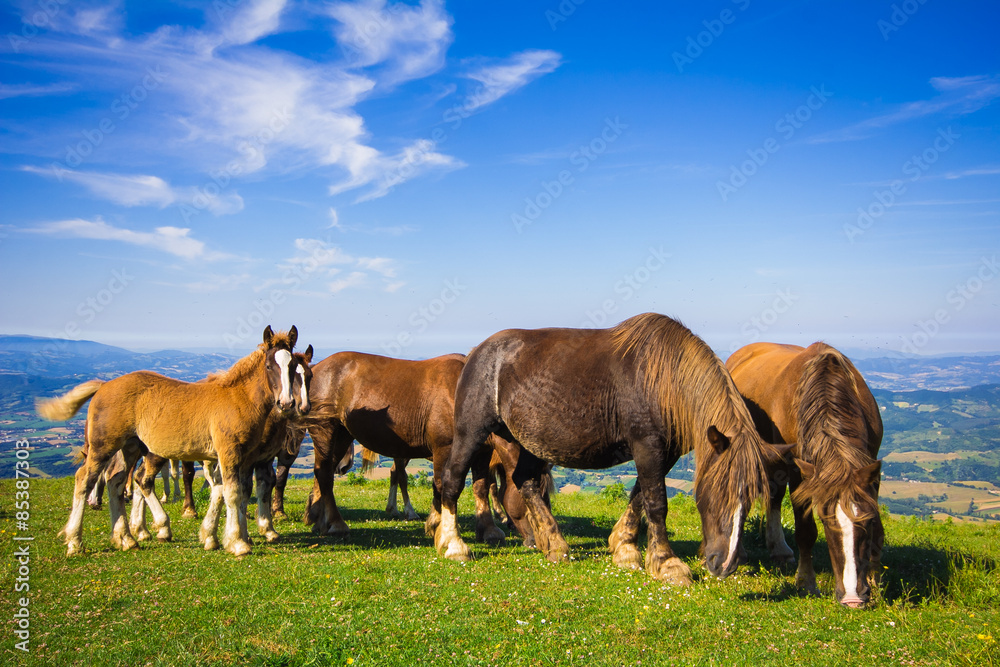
(250, 364)
(695, 391)
(832, 435)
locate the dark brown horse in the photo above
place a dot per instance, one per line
(815, 397)
(647, 389)
(394, 407)
(223, 419)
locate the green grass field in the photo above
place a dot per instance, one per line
(383, 597)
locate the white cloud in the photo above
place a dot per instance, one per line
(503, 78)
(406, 42)
(173, 240)
(316, 258)
(145, 190)
(32, 90)
(957, 95)
(353, 279)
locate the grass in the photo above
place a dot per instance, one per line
(383, 597)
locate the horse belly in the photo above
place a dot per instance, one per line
(181, 444)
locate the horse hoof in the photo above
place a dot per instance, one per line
(74, 548)
(627, 556)
(494, 537)
(338, 529)
(140, 533)
(211, 544)
(164, 534)
(189, 514)
(239, 548)
(271, 536)
(673, 571)
(412, 516)
(127, 543)
(280, 515)
(458, 551)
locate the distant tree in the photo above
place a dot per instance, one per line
(972, 508)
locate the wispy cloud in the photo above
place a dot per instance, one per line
(33, 90)
(173, 240)
(504, 77)
(403, 42)
(957, 96)
(320, 259)
(144, 190)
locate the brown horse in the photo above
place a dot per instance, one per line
(223, 419)
(647, 389)
(397, 408)
(817, 398)
(279, 431)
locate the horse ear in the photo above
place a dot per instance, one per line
(268, 335)
(868, 475)
(778, 453)
(807, 469)
(293, 335)
(308, 354)
(718, 440)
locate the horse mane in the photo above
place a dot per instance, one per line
(694, 391)
(369, 460)
(250, 364)
(832, 435)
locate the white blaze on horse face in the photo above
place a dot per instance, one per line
(734, 537)
(283, 358)
(303, 391)
(850, 579)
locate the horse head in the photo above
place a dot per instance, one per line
(288, 373)
(730, 480)
(848, 508)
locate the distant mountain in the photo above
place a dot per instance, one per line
(57, 358)
(930, 372)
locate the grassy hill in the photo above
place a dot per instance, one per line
(383, 597)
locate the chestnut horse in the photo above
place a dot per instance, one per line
(647, 389)
(394, 407)
(278, 431)
(223, 419)
(815, 397)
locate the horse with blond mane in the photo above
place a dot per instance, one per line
(224, 419)
(815, 397)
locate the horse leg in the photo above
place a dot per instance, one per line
(118, 473)
(188, 473)
(403, 481)
(781, 553)
(142, 475)
(624, 539)
(391, 505)
(284, 464)
(329, 446)
(486, 528)
(650, 462)
(161, 522)
(805, 539)
(265, 484)
(208, 533)
(165, 476)
(97, 494)
(233, 492)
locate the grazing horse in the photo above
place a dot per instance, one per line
(647, 389)
(278, 431)
(397, 408)
(223, 419)
(815, 397)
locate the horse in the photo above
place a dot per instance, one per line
(223, 419)
(815, 397)
(397, 408)
(398, 481)
(278, 430)
(647, 389)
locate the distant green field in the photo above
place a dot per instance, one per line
(383, 597)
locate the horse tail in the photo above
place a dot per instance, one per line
(67, 405)
(369, 460)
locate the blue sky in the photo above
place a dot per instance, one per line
(408, 178)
